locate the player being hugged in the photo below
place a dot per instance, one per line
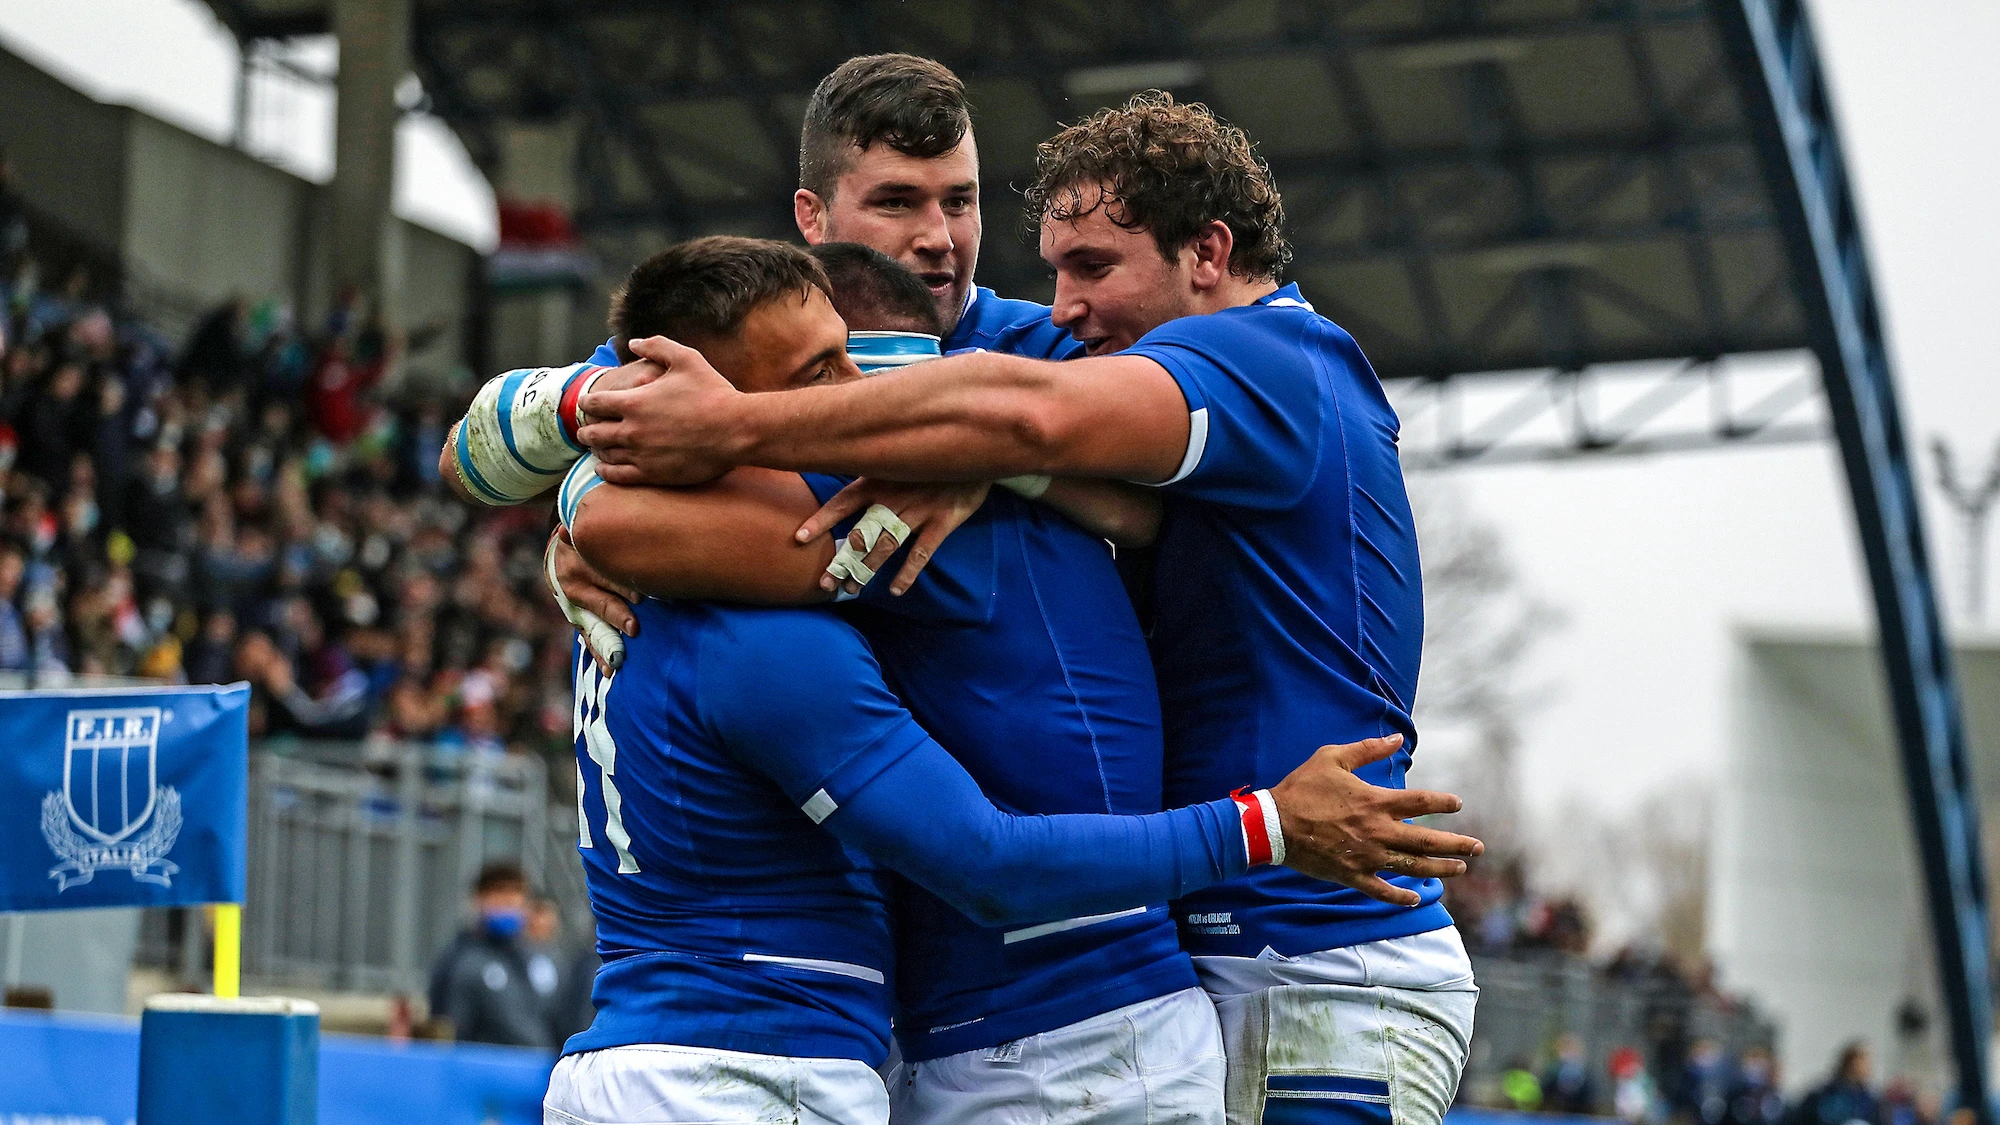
(1289, 601)
(747, 777)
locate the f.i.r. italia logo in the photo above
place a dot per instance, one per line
(112, 813)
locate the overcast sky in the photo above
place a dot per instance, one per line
(1653, 560)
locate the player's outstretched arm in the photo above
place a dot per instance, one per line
(1001, 869)
(727, 540)
(518, 438)
(925, 818)
(979, 416)
(799, 697)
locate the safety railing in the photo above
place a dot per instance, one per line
(362, 858)
(1528, 1001)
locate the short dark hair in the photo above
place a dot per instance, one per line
(500, 875)
(706, 286)
(915, 105)
(1168, 168)
(873, 292)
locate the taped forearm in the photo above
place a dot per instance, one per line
(519, 435)
(925, 818)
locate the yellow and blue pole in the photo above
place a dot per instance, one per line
(228, 1058)
(228, 949)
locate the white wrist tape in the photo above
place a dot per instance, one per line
(1028, 486)
(581, 479)
(606, 643)
(1263, 836)
(513, 445)
(873, 523)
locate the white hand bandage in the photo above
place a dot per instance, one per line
(1028, 486)
(847, 561)
(604, 642)
(513, 444)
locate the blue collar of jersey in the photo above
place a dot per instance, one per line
(885, 351)
(1286, 297)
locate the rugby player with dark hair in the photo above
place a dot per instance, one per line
(913, 205)
(887, 158)
(1287, 582)
(1022, 655)
(872, 291)
(747, 777)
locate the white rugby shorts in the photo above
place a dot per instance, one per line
(1157, 1062)
(1373, 1034)
(662, 1084)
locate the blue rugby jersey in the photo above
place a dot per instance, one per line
(734, 907)
(1019, 652)
(994, 323)
(727, 918)
(1289, 600)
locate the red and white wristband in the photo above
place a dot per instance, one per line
(569, 411)
(1263, 837)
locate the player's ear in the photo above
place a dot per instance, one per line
(1211, 247)
(809, 212)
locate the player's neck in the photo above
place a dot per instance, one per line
(1235, 292)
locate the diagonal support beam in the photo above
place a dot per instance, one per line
(1783, 91)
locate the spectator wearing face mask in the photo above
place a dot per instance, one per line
(483, 983)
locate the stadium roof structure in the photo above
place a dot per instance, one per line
(1472, 186)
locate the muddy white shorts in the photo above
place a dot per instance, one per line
(1370, 1035)
(659, 1084)
(1157, 1062)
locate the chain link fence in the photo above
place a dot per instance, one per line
(362, 859)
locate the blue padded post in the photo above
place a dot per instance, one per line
(245, 1061)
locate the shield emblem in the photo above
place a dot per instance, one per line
(110, 770)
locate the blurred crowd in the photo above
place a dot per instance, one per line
(259, 501)
(1498, 913)
(1712, 1086)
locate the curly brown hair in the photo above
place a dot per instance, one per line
(1169, 168)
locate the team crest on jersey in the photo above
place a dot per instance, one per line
(112, 813)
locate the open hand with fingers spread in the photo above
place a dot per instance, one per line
(928, 512)
(1340, 828)
(671, 429)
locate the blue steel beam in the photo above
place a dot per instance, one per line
(1785, 95)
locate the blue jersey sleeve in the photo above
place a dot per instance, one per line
(606, 355)
(1037, 338)
(797, 696)
(998, 324)
(958, 585)
(924, 817)
(1254, 396)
